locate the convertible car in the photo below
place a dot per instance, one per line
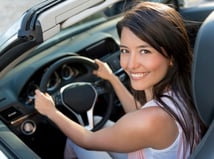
(53, 46)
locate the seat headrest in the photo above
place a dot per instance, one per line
(203, 70)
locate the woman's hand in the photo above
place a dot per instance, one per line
(44, 103)
(103, 71)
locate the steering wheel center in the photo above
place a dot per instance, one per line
(79, 96)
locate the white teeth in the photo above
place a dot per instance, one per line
(138, 75)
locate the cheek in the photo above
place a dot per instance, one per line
(123, 61)
(153, 64)
(159, 67)
(156, 61)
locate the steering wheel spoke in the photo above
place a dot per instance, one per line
(86, 120)
(90, 120)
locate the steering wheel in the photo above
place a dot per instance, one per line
(80, 97)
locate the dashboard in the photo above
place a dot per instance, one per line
(28, 79)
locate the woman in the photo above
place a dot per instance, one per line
(161, 120)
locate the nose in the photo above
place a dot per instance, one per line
(133, 61)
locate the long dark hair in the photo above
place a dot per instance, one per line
(162, 27)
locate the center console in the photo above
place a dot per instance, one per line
(11, 147)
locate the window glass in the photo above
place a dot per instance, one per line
(11, 10)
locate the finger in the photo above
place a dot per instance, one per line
(95, 72)
(37, 91)
(47, 95)
(96, 60)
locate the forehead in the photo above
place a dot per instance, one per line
(128, 38)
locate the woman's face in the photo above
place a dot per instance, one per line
(144, 64)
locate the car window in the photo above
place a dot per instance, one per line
(11, 10)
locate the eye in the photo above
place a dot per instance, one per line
(124, 51)
(144, 51)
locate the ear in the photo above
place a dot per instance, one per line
(170, 62)
(170, 58)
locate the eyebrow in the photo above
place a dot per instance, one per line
(123, 46)
(141, 46)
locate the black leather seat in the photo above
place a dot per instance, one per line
(203, 85)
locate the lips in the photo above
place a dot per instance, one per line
(137, 76)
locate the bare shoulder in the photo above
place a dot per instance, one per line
(154, 126)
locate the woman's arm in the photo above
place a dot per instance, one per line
(150, 127)
(125, 97)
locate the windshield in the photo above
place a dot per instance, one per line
(13, 10)
(12, 14)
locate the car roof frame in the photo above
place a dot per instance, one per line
(37, 26)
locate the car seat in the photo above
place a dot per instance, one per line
(203, 86)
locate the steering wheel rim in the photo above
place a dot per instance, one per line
(90, 65)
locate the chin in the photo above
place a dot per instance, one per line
(137, 87)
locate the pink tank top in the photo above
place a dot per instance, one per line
(177, 150)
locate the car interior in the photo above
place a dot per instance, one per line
(62, 65)
(202, 87)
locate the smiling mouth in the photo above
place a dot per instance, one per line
(137, 76)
